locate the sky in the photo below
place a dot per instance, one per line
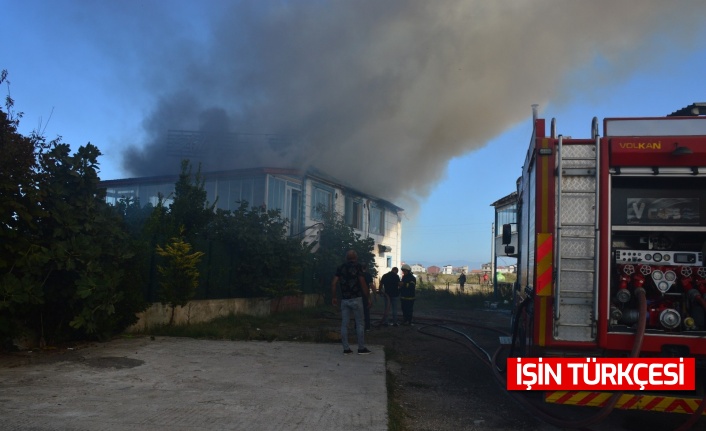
(424, 103)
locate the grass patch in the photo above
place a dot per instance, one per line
(318, 324)
(396, 416)
(395, 413)
(431, 298)
(310, 324)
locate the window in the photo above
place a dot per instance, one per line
(285, 196)
(210, 188)
(294, 211)
(275, 194)
(377, 220)
(507, 214)
(150, 194)
(321, 202)
(234, 199)
(247, 193)
(237, 191)
(354, 213)
(113, 195)
(389, 261)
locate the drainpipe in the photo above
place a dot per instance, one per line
(494, 257)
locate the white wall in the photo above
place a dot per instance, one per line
(393, 224)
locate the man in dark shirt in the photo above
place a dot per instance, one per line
(407, 293)
(354, 290)
(371, 288)
(390, 284)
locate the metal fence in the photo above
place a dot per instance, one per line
(217, 276)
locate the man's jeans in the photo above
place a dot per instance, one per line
(355, 306)
(394, 305)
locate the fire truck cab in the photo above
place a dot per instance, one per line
(611, 239)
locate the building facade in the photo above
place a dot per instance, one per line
(505, 235)
(301, 197)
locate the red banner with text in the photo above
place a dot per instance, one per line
(610, 374)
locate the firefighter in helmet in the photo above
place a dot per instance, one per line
(408, 285)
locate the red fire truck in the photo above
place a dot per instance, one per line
(611, 237)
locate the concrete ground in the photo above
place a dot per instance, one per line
(185, 384)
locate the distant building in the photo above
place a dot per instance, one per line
(507, 269)
(460, 269)
(417, 267)
(505, 236)
(487, 267)
(447, 269)
(505, 215)
(433, 270)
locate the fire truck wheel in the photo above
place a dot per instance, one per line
(522, 329)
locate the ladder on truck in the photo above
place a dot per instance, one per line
(576, 240)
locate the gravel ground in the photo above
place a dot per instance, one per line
(442, 384)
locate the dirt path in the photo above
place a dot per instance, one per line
(443, 385)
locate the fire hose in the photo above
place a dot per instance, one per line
(700, 299)
(387, 310)
(543, 415)
(612, 401)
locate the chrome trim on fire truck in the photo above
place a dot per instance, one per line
(597, 240)
(557, 239)
(642, 228)
(698, 171)
(578, 171)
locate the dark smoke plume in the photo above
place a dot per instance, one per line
(383, 93)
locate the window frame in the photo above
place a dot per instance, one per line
(353, 212)
(376, 226)
(319, 191)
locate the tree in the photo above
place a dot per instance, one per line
(88, 246)
(180, 276)
(264, 260)
(190, 209)
(20, 194)
(335, 239)
(134, 215)
(63, 250)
